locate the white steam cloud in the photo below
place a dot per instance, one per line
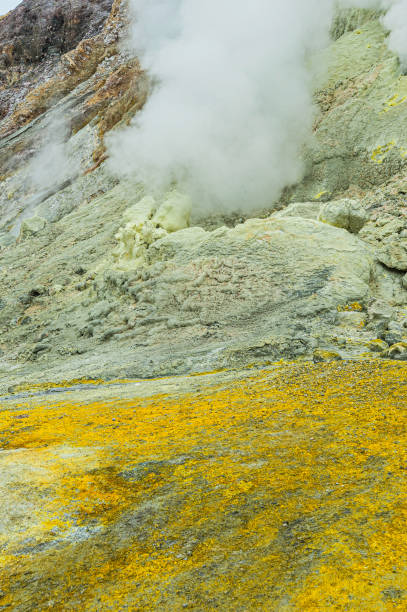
(231, 104)
(52, 165)
(395, 20)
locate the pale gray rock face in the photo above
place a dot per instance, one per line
(380, 311)
(360, 134)
(32, 226)
(90, 289)
(264, 290)
(349, 20)
(305, 210)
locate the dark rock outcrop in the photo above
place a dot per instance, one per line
(33, 37)
(37, 29)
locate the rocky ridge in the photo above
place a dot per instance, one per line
(98, 278)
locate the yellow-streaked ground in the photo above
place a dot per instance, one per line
(282, 490)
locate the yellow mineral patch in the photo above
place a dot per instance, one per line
(398, 98)
(393, 102)
(380, 152)
(353, 307)
(283, 490)
(319, 195)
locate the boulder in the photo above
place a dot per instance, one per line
(263, 289)
(347, 214)
(392, 337)
(377, 346)
(394, 255)
(167, 247)
(396, 351)
(321, 356)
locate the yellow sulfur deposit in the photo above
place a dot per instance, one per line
(394, 101)
(380, 152)
(283, 489)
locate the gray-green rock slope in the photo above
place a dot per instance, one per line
(88, 291)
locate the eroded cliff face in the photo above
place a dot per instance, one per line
(35, 35)
(100, 278)
(36, 30)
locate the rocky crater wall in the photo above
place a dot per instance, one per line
(106, 278)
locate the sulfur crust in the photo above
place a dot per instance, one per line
(283, 491)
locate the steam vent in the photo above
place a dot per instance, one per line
(203, 305)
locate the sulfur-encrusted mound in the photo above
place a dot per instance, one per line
(146, 222)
